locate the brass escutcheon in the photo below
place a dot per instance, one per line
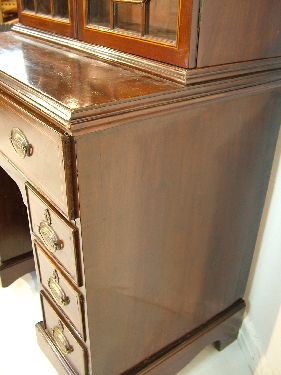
(20, 143)
(56, 290)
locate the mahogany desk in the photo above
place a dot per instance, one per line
(138, 190)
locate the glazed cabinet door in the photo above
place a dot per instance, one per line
(156, 29)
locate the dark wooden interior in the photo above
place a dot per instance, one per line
(15, 240)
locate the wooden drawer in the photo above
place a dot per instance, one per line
(64, 338)
(60, 237)
(63, 293)
(41, 153)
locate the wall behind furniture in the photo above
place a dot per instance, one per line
(260, 336)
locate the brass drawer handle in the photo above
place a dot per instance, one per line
(20, 143)
(60, 340)
(56, 290)
(48, 235)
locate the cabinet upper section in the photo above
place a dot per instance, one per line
(185, 33)
(156, 29)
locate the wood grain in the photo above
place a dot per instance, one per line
(238, 30)
(77, 81)
(221, 331)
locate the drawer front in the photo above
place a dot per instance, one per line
(60, 237)
(63, 293)
(39, 152)
(65, 339)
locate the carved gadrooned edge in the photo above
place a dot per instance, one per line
(82, 118)
(173, 73)
(35, 99)
(166, 71)
(97, 116)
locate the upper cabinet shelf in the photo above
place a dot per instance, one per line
(184, 33)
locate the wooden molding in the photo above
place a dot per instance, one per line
(220, 331)
(96, 115)
(166, 71)
(169, 72)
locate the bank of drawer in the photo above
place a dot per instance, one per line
(65, 339)
(59, 236)
(41, 153)
(64, 294)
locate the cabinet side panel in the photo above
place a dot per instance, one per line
(170, 209)
(238, 30)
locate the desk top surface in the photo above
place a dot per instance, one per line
(69, 78)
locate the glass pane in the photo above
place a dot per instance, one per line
(163, 18)
(158, 20)
(44, 7)
(98, 12)
(128, 16)
(61, 8)
(28, 4)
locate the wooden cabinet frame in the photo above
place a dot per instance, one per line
(61, 26)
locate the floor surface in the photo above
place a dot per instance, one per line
(19, 354)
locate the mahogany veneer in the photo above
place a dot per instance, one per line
(144, 182)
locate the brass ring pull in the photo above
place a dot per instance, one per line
(48, 235)
(20, 143)
(56, 290)
(60, 339)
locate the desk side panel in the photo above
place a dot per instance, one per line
(170, 208)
